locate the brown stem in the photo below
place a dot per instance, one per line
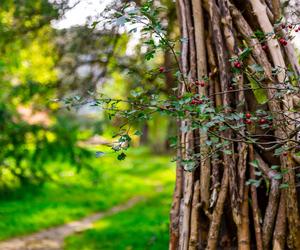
(276, 9)
(191, 41)
(271, 210)
(187, 207)
(255, 207)
(222, 58)
(245, 29)
(213, 67)
(214, 228)
(243, 228)
(292, 202)
(175, 209)
(193, 244)
(279, 236)
(202, 72)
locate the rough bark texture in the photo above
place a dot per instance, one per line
(213, 207)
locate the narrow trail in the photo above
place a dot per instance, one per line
(53, 238)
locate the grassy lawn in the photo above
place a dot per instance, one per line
(144, 226)
(75, 195)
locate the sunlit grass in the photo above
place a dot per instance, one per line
(143, 227)
(110, 182)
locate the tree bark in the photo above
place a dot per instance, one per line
(214, 201)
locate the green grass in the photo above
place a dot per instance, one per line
(73, 196)
(145, 226)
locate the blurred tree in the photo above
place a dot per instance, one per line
(30, 131)
(103, 58)
(85, 54)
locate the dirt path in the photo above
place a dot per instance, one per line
(53, 238)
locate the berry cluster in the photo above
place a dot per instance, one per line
(282, 41)
(248, 120)
(291, 27)
(200, 83)
(196, 102)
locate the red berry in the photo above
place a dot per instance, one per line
(197, 82)
(248, 115)
(195, 101)
(283, 25)
(262, 121)
(161, 69)
(265, 47)
(290, 26)
(283, 41)
(202, 83)
(248, 121)
(285, 153)
(296, 30)
(237, 64)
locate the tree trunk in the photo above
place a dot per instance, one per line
(213, 205)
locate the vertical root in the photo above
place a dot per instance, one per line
(174, 214)
(243, 228)
(255, 207)
(279, 236)
(188, 193)
(214, 228)
(194, 237)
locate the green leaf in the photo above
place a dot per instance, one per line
(125, 138)
(227, 152)
(279, 151)
(121, 156)
(267, 182)
(149, 55)
(138, 133)
(260, 94)
(189, 165)
(254, 163)
(253, 182)
(284, 185)
(173, 141)
(284, 171)
(258, 173)
(259, 34)
(274, 167)
(245, 53)
(277, 176)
